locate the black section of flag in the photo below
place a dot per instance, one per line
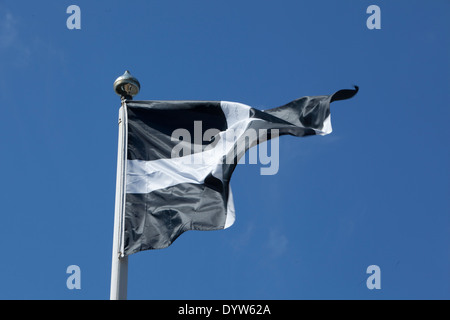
(151, 124)
(154, 220)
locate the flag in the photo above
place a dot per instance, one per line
(180, 156)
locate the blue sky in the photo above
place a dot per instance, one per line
(374, 192)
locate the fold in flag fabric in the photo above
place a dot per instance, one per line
(181, 155)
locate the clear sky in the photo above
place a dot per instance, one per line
(374, 192)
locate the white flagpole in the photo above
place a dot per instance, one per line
(126, 86)
(119, 270)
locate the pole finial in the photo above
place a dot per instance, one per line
(126, 85)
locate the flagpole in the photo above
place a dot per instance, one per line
(126, 86)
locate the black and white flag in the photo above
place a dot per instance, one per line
(180, 156)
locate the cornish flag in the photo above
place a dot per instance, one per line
(180, 156)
